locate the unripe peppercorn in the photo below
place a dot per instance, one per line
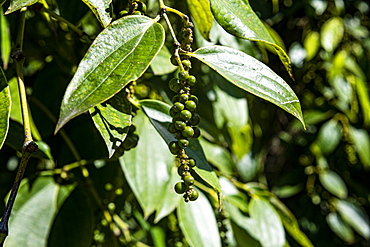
(188, 132)
(178, 106)
(186, 63)
(180, 125)
(190, 105)
(193, 195)
(185, 115)
(180, 187)
(183, 143)
(183, 98)
(195, 119)
(192, 162)
(192, 80)
(196, 132)
(174, 85)
(189, 180)
(184, 75)
(174, 147)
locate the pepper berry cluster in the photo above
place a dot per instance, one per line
(184, 116)
(134, 8)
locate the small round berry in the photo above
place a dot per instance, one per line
(184, 75)
(180, 125)
(183, 143)
(174, 147)
(180, 187)
(194, 98)
(188, 132)
(193, 195)
(196, 132)
(183, 98)
(174, 85)
(186, 63)
(171, 128)
(192, 162)
(189, 180)
(192, 80)
(195, 119)
(178, 106)
(175, 98)
(190, 105)
(174, 113)
(185, 115)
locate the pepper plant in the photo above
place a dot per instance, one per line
(132, 120)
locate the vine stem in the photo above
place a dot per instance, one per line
(29, 146)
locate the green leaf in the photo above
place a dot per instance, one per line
(161, 64)
(268, 224)
(354, 216)
(290, 222)
(148, 167)
(333, 183)
(250, 75)
(201, 13)
(5, 107)
(34, 211)
(238, 18)
(361, 141)
(198, 223)
(158, 113)
(75, 213)
(332, 32)
(340, 228)
(18, 4)
(118, 55)
(329, 136)
(363, 97)
(112, 119)
(5, 42)
(312, 44)
(99, 8)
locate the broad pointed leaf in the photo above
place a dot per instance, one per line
(161, 64)
(251, 75)
(158, 113)
(329, 136)
(238, 18)
(361, 140)
(198, 223)
(99, 8)
(112, 119)
(18, 4)
(5, 41)
(5, 105)
(269, 226)
(34, 211)
(121, 53)
(201, 13)
(148, 167)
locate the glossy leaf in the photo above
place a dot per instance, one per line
(331, 33)
(112, 119)
(329, 136)
(361, 141)
(99, 8)
(198, 223)
(158, 113)
(34, 211)
(250, 75)
(290, 223)
(75, 213)
(354, 216)
(118, 55)
(333, 183)
(147, 167)
(5, 107)
(238, 18)
(201, 13)
(161, 64)
(5, 42)
(340, 228)
(268, 224)
(18, 4)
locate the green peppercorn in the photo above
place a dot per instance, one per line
(174, 147)
(194, 98)
(171, 128)
(180, 187)
(193, 195)
(174, 113)
(189, 180)
(183, 98)
(192, 80)
(142, 7)
(190, 105)
(196, 132)
(175, 98)
(195, 119)
(178, 106)
(186, 63)
(184, 75)
(185, 115)
(174, 85)
(192, 162)
(180, 125)
(188, 132)
(183, 143)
